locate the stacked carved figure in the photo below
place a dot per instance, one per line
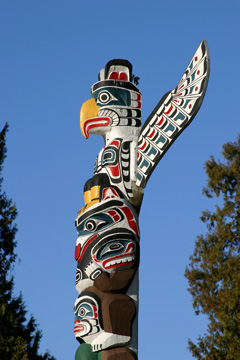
(107, 248)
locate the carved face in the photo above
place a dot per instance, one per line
(86, 312)
(93, 319)
(115, 250)
(115, 160)
(107, 241)
(117, 101)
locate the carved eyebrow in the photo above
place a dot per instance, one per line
(104, 207)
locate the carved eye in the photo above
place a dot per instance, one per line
(85, 310)
(90, 225)
(104, 97)
(113, 247)
(82, 312)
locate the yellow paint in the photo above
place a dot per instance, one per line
(88, 110)
(87, 196)
(91, 197)
(86, 207)
(95, 192)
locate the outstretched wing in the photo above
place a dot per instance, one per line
(173, 114)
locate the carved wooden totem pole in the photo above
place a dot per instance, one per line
(107, 248)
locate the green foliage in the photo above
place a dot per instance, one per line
(19, 338)
(214, 270)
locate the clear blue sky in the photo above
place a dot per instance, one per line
(51, 53)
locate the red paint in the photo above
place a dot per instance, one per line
(123, 76)
(115, 143)
(161, 121)
(111, 212)
(95, 311)
(77, 251)
(143, 146)
(114, 170)
(190, 106)
(129, 249)
(113, 75)
(196, 58)
(138, 100)
(118, 257)
(117, 265)
(171, 107)
(152, 133)
(78, 328)
(131, 222)
(95, 122)
(85, 246)
(114, 215)
(109, 193)
(196, 88)
(198, 72)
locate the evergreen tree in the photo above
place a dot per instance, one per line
(214, 270)
(19, 337)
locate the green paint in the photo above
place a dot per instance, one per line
(179, 116)
(84, 352)
(161, 140)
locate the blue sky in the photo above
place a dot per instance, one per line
(51, 53)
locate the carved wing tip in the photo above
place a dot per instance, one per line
(205, 49)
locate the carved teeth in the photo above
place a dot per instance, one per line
(108, 113)
(119, 261)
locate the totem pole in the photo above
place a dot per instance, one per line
(107, 248)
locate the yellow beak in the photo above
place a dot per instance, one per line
(88, 110)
